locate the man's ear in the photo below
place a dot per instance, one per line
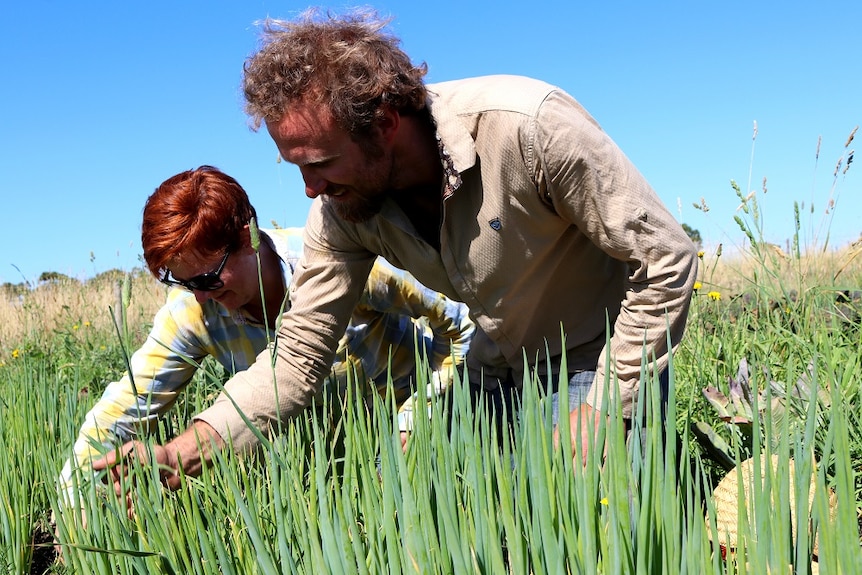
(387, 126)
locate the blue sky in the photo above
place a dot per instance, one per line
(102, 101)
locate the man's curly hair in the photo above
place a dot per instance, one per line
(348, 63)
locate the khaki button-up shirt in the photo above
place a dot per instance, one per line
(547, 229)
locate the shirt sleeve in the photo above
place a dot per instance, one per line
(393, 291)
(160, 370)
(326, 285)
(590, 182)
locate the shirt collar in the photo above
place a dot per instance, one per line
(455, 144)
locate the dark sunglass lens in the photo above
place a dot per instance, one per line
(209, 281)
(205, 282)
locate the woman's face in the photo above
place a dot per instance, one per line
(237, 272)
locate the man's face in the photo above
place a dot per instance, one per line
(354, 178)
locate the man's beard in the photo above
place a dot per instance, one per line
(356, 209)
(355, 205)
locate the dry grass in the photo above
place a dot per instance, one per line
(74, 307)
(773, 268)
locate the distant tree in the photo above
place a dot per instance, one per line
(54, 277)
(693, 235)
(108, 276)
(9, 289)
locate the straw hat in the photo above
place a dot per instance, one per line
(726, 501)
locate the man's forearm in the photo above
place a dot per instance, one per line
(194, 447)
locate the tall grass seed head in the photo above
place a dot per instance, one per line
(850, 137)
(127, 290)
(254, 234)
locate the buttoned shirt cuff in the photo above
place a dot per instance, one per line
(228, 423)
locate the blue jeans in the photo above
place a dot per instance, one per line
(581, 381)
(505, 394)
(579, 385)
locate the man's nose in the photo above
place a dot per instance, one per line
(314, 185)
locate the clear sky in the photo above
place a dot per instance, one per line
(102, 101)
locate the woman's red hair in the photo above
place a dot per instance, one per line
(202, 210)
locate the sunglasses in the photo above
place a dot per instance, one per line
(209, 281)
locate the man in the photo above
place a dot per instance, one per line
(195, 236)
(501, 192)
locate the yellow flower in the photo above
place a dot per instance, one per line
(697, 286)
(75, 327)
(700, 254)
(15, 353)
(714, 295)
(86, 324)
(604, 501)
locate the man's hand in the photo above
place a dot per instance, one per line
(584, 425)
(190, 450)
(119, 463)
